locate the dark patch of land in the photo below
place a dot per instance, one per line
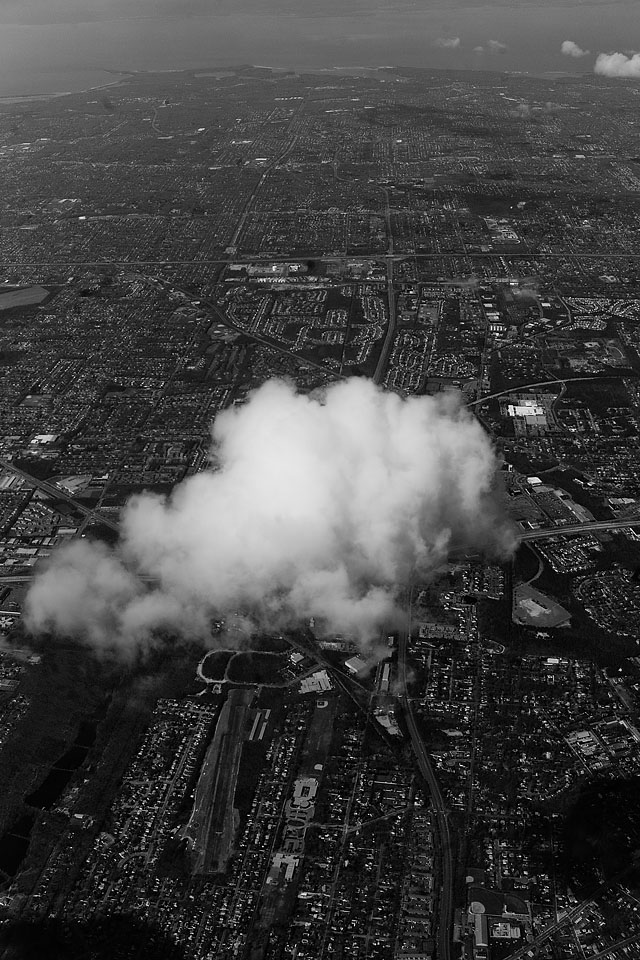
(216, 663)
(69, 689)
(102, 938)
(257, 668)
(601, 835)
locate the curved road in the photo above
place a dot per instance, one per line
(530, 386)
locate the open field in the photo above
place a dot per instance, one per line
(22, 297)
(249, 666)
(211, 827)
(534, 609)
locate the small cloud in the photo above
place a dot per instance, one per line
(571, 49)
(491, 46)
(521, 109)
(618, 65)
(447, 43)
(525, 111)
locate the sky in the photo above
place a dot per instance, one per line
(47, 44)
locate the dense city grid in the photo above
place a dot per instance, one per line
(167, 245)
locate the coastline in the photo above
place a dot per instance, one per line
(25, 98)
(230, 70)
(201, 71)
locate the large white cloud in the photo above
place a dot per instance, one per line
(318, 507)
(447, 43)
(618, 65)
(571, 49)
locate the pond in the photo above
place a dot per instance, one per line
(14, 845)
(56, 781)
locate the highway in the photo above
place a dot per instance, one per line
(308, 645)
(390, 335)
(256, 190)
(570, 915)
(445, 920)
(590, 526)
(531, 386)
(308, 254)
(221, 316)
(531, 949)
(53, 491)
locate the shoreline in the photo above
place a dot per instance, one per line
(22, 98)
(230, 70)
(227, 69)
